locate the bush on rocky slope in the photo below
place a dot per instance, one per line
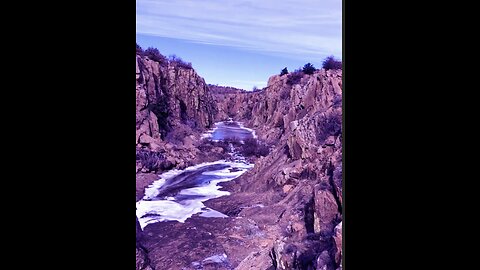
(331, 63)
(330, 125)
(155, 55)
(294, 77)
(252, 147)
(178, 133)
(152, 161)
(179, 62)
(139, 49)
(308, 69)
(206, 145)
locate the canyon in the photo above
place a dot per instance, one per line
(282, 211)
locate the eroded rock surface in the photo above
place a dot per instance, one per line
(285, 213)
(303, 173)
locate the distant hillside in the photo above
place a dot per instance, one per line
(217, 89)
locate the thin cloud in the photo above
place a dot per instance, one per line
(310, 28)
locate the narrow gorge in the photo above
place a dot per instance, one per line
(234, 179)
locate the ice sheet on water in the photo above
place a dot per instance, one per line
(249, 129)
(190, 200)
(152, 190)
(221, 125)
(180, 210)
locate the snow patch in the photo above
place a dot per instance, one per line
(212, 213)
(217, 258)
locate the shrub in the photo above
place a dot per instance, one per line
(251, 147)
(139, 50)
(206, 145)
(308, 68)
(247, 114)
(255, 88)
(263, 150)
(152, 161)
(230, 124)
(178, 133)
(179, 61)
(155, 55)
(284, 71)
(223, 144)
(233, 140)
(328, 125)
(294, 77)
(331, 63)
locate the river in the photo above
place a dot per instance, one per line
(179, 194)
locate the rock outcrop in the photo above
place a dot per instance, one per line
(142, 260)
(169, 96)
(173, 106)
(303, 173)
(286, 213)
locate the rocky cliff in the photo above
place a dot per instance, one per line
(300, 181)
(229, 101)
(169, 97)
(173, 107)
(286, 213)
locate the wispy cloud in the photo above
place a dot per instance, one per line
(311, 28)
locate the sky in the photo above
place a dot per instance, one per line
(241, 43)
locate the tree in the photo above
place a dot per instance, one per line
(139, 49)
(308, 68)
(284, 71)
(179, 61)
(173, 58)
(155, 55)
(331, 63)
(295, 77)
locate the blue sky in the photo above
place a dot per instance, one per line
(242, 43)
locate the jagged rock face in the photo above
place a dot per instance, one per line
(299, 184)
(169, 100)
(142, 260)
(168, 97)
(230, 101)
(173, 106)
(303, 122)
(338, 243)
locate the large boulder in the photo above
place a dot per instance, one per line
(326, 211)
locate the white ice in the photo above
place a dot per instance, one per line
(212, 213)
(168, 209)
(217, 258)
(210, 132)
